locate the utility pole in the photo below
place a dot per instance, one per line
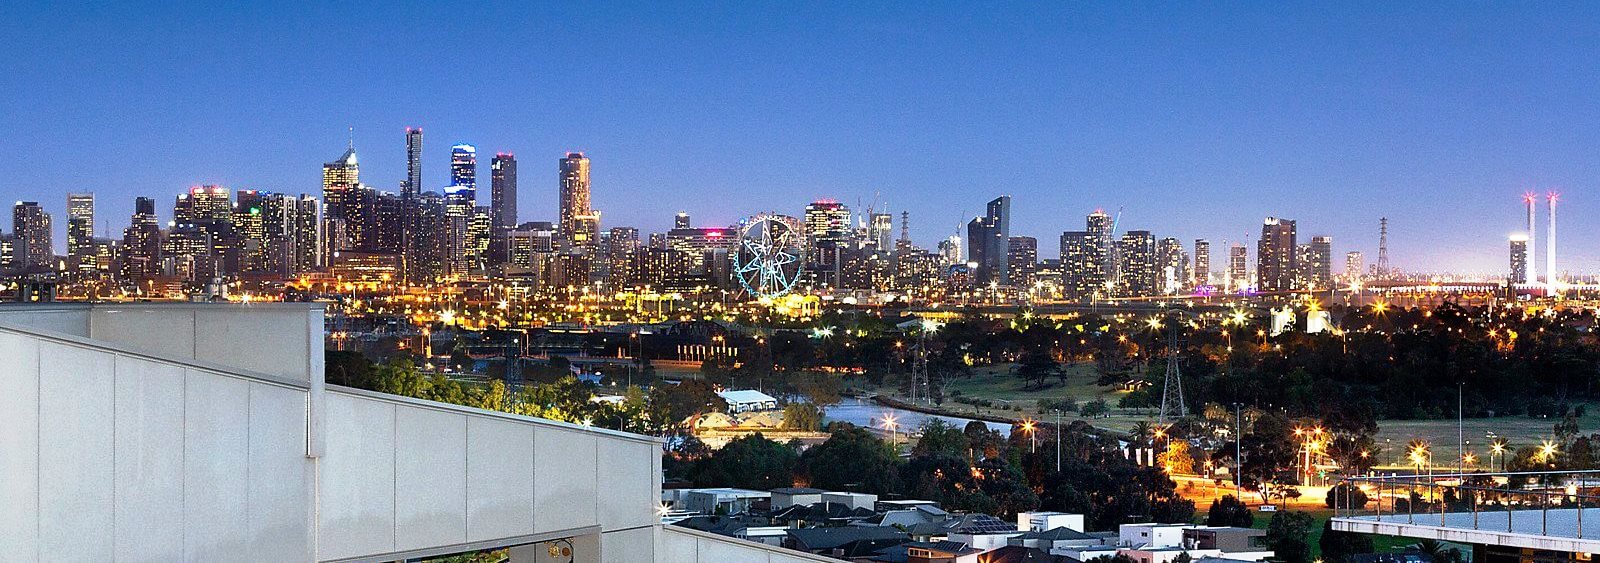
(1238, 452)
(1058, 440)
(1461, 432)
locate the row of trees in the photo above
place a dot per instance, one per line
(971, 469)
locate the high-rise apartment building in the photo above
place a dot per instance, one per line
(141, 242)
(80, 232)
(412, 186)
(1022, 254)
(1319, 263)
(1276, 255)
(1238, 267)
(1171, 266)
(30, 228)
(1519, 259)
(1138, 272)
(464, 168)
(1202, 262)
(579, 223)
(622, 246)
(1354, 266)
(346, 205)
(988, 242)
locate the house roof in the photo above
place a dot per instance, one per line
(1019, 554)
(746, 396)
(944, 546)
(1056, 534)
(797, 491)
(830, 538)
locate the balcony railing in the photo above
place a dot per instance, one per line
(1545, 503)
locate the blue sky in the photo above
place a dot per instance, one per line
(1196, 119)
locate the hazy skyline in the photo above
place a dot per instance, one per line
(1198, 121)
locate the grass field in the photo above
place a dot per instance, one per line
(1393, 435)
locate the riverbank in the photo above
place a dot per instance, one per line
(894, 403)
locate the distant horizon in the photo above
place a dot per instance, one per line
(1196, 121)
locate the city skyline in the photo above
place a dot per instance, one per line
(1196, 126)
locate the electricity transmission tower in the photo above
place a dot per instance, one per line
(1172, 387)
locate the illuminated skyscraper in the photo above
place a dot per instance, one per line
(580, 223)
(30, 227)
(1276, 258)
(1099, 227)
(622, 246)
(80, 232)
(1202, 262)
(1519, 259)
(1354, 265)
(988, 242)
(1238, 267)
(141, 242)
(1321, 266)
(1138, 272)
(1022, 254)
(681, 220)
(464, 168)
(346, 206)
(1171, 266)
(413, 183)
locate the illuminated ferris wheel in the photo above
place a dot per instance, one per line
(768, 255)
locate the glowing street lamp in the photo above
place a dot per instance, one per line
(890, 423)
(1033, 443)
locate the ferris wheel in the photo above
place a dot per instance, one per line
(768, 255)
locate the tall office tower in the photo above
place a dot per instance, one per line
(80, 232)
(1202, 262)
(1354, 264)
(253, 217)
(1551, 276)
(1519, 259)
(304, 232)
(1171, 266)
(1321, 262)
(621, 247)
(1238, 267)
(579, 222)
(1275, 255)
(202, 206)
(30, 225)
(480, 236)
(431, 241)
(1137, 274)
(503, 190)
(141, 242)
(464, 167)
(1022, 254)
(681, 220)
(8, 251)
(1099, 225)
(988, 239)
(1532, 201)
(413, 184)
(346, 207)
(880, 230)
(827, 233)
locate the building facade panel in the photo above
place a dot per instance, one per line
(499, 468)
(76, 480)
(282, 490)
(565, 486)
(216, 435)
(19, 448)
(356, 479)
(430, 460)
(149, 472)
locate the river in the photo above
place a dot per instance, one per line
(865, 413)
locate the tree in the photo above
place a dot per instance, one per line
(940, 437)
(675, 404)
(1175, 459)
(1036, 365)
(1344, 496)
(749, 462)
(1287, 534)
(1094, 408)
(852, 459)
(802, 416)
(1230, 511)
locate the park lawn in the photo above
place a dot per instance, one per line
(1320, 517)
(1441, 435)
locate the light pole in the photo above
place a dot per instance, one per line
(1238, 451)
(889, 422)
(1058, 440)
(1033, 442)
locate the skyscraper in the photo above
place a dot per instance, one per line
(988, 242)
(1171, 266)
(30, 226)
(1137, 273)
(681, 220)
(1238, 267)
(1202, 262)
(141, 242)
(80, 232)
(1276, 258)
(464, 167)
(1100, 225)
(1022, 255)
(1354, 264)
(346, 206)
(413, 183)
(579, 222)
(503, 190)
(1519, 259)
(1321, 267)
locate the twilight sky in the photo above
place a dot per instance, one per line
(1196, 119)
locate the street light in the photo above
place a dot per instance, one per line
(1033, 444)
(890, 423)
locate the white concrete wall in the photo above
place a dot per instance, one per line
(691, 546)
(401, 475)
(109, 456)
(126, 453)
(282, 339)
